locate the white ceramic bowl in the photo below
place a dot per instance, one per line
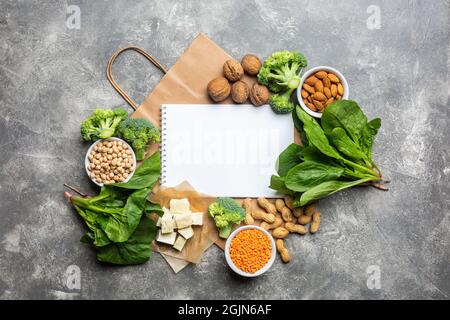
(310, 72)
(235, 268)
(86, 160)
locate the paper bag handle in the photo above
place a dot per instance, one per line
(113, 82)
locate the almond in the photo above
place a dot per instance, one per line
(318, 105)
(333, 90)
(318, 86)
(326, 82)
(311, 106)
(321, 74)
(319, 96)
(340, 89)
(333, 78)
(309, 99)
(308, 88)
(311, 80)
(304, 94)
(306, 101)
(327, 92)
(329, 101)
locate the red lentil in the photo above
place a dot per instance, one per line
(250, 250)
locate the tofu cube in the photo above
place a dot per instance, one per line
(183, 220)
(166, 238)
(187, 233)
(197, 218)
(158, 222)
(167, 226)
(179, 206)
(179, 243)
(167, 223)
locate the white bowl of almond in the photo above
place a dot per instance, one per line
(319, 87)
(110, 161)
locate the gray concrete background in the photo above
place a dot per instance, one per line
(51, 77)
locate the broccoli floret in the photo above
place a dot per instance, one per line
(281, 103)
(138, 133)
(102, 123)
(226, 212)
(280, 71)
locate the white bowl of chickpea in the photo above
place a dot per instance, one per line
(110, 161)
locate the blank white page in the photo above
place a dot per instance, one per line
(223, 150)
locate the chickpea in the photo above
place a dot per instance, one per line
(128, 152)
(114, 155)
(114, 162)
(119, 147)
(109, 157)
(90, 157)
(99, 180)
(125, 175)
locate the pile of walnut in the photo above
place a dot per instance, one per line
(281, 219)
(220, 88)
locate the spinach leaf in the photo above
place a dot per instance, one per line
(135, 250)
(325, 189)
(345, 145)
(299, 127)
(121, 223)
(277, 183)
(288, 159)
(99, 237)
(368, 134)
(151, 207)
(309, 174)
(146, 175)
(347, 115)
(316, 135)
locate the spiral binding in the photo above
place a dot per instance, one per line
(162, 146)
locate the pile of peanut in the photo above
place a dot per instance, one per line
(110, 161)
(321, 89)
(281, 219)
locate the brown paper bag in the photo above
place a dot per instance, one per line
(184, 83)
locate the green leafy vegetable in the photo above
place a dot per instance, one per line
(226, 213)
(280, 72)
(118, 228)
(336, 154)
(102, 123)
(135, 250)
(309, 174)
(288, 158)
(138, 133)
(277, 183)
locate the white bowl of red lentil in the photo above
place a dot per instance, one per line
(250, 251)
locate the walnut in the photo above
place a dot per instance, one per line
(219, 89)
(259, 94)
(232, 70)
(239, 92)
(251, 64)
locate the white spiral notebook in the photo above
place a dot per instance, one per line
(222, 150)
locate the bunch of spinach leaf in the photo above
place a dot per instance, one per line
(335, 154)
(119, 229)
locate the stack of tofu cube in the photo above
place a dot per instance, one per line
(176, 224)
